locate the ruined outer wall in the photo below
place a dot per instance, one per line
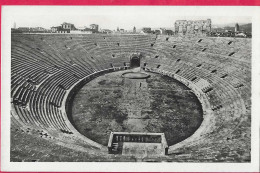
(191, 27)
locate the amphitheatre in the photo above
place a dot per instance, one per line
(70, 91)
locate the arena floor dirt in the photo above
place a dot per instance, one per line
(156, 104)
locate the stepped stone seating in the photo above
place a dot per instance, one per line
(230, 95)
(45, 69)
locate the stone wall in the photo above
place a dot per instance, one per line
(192, 27)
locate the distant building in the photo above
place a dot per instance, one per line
(24, 29)
(94, 28)
(134, 30)
(88, 31)
(196, 26)
(120, 30)
(169, 32)
(241, 35)
(157, 32)
(162, 31)
(14, 25)
(63, 28)
(38, 29)
(236, 27)
(30, 30)
(105, 31)
(147, 30)
(68, 26)
(59, 29)
(55, 28)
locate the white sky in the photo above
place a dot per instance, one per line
(116, 16)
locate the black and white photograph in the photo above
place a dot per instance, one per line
(164, 85)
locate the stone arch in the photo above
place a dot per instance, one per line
(135, 60)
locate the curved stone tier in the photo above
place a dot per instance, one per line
(47, 69)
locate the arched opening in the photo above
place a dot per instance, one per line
(135, 61)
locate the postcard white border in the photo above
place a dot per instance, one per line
(6, 165)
